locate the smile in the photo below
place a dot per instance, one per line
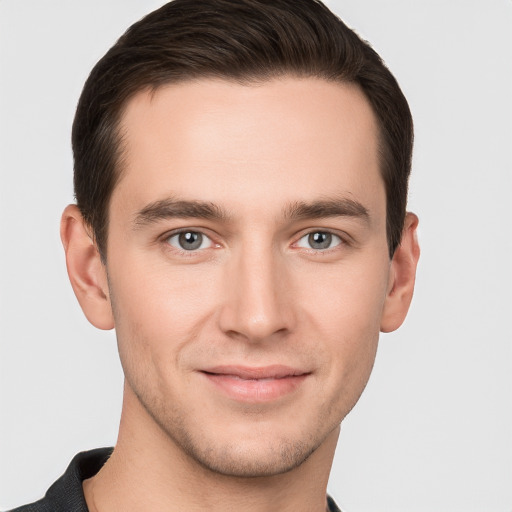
(255, 384)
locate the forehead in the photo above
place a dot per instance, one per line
(282, 140)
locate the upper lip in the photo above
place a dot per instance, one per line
(275, 371)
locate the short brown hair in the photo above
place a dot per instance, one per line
(244, 41)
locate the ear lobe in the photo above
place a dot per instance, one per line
(86, 271)
(401, 277)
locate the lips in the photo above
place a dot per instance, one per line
(255, 384)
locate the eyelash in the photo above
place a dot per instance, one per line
(194, 252)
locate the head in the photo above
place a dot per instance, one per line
(241, 175)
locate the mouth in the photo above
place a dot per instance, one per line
(255, 384)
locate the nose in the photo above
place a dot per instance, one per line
(257, 303)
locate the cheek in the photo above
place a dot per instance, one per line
(344, 315)
(159, 307)
(346, 299)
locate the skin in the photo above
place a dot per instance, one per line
(255, 294)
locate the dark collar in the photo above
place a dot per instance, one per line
(66, 494)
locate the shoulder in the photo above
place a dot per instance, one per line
(66, 494)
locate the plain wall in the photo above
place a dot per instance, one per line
(433, 430)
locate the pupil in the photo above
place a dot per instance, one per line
(190, 240)
(320, 240)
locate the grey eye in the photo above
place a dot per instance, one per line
(319, 240)
(189, 240)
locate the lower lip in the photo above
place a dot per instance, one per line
(255, 390)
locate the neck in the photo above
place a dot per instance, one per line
(148, 471)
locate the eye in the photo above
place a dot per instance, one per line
(189, 241)
(319, 240)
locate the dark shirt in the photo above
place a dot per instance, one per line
(67, 495)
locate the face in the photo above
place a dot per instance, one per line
(248, 266)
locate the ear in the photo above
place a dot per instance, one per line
(402, 276)
(87, 273)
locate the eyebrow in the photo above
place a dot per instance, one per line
(171, 208)
(299, 210)
(335, 207)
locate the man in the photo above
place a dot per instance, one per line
(241, 173)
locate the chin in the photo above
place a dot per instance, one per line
(244, 459)
(245, 447)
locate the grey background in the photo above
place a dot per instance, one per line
(433, 430)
